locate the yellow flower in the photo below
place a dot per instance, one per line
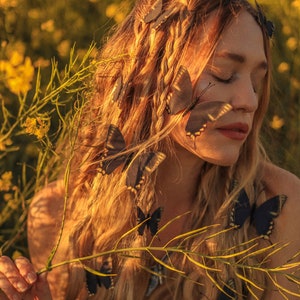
(3, 64)
(286, 29)
(295, 83)
(42, 62)
(296, 4)
(34, 13)
(30, 125)
(119, 17)
(8, 3)
(18, 73)
(283, 67)
(111, 10)
(7, 197)
(276, 122)
(64, 48)
(6, 181)
(37, 126)
(16, 58)
(48, 26)
(117, 12)
(42, 129)
(4, 143)
(292, 43)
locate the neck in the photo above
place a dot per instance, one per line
(177, 184)
(178, 178)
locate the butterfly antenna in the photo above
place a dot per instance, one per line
(196, 101)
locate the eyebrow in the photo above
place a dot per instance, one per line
(240, 58)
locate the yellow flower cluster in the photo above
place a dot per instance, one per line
(118, 11)
(6, 182)
(37, 126)
(296, 4)
(8, 3)
(4, 142)
(17, 73)
(276, 122)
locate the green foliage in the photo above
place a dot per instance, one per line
(43, 76)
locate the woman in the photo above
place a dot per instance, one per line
(169, 188)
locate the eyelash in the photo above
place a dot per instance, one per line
(226, 81)
(229, 80)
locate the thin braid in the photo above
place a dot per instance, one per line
(169, 64)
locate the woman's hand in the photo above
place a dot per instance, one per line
(19, 281)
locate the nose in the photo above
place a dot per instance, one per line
(244, 97)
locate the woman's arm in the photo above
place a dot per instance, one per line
(19, 279)
(44, 224)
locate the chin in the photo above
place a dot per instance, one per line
(221, 161)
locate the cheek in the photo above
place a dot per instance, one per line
(199, 145)
(210, 146)
(178, 134)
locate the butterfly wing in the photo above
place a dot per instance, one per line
(152, 223)
(143, 165)
(91, 282)
(105, 281)
(241, 210)
(229, 291)
(263, 216)
(203, 113)
(140, 219)
(181, 93)
(116, 91)
(162, 18)
(114, 144)
(154, 12)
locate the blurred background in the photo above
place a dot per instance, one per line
(47, 55)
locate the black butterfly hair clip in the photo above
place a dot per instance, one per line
(181, 98)
(203, 113)
(137, 167)
(262, 217)
(229, 291)
(263, 22)
(156, 15)
(154, 12)
(148, 221)
(119, 89)
(105, 279)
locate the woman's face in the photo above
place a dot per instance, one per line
(236, 71)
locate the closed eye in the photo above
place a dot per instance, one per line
(223, 80)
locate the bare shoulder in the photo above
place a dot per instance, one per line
(286, 227)
(281, 181)
(44, 219)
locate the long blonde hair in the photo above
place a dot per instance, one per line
(140, 61)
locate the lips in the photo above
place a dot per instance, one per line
(235, 131)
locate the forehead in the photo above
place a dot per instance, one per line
(243, 36)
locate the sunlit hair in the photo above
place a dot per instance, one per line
(103, 209)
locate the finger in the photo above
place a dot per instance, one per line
(42, 287)
(7, 290)
(12, 274)
(26, 269)
(3, 296)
